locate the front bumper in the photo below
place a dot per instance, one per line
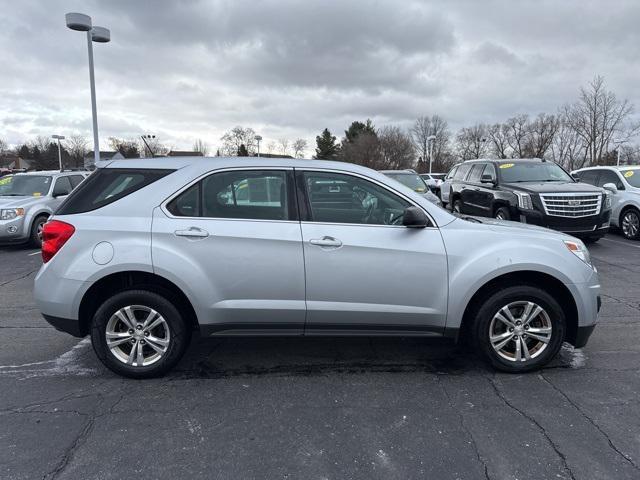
(65, 325)
(13, 231)
(594, 225)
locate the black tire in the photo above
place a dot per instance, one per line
(35, 238)
(631, 215)
(456, 206)
(496, 301)
(180, 334)
(502, 213)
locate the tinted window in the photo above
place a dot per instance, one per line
(339, 198)
(411, 180)
(490, 170)
(62, 186)
(476, 173)
(452, 173)
(249, 194)
(187, 204)
(75, 180)
(107, 185)
(607, 176)
(462, 171)
(589, 176)
(438, 176)
(533, 172)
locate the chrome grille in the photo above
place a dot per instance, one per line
(571, 205)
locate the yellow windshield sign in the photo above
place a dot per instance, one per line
(37, 194)
(628, 173)
(5, 181)
(507, 165)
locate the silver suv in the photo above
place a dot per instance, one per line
(145, 252)
(28, 199)
(624, 184)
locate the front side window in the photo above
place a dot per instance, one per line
(25, 185)
(607, 176)
(490, 170)
(62, 187)
(75, 180)
(246, 194)
(462, 171)
(340, 198)
(476, 173)
(452, 173)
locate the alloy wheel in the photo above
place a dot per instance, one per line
(500, 216)
(137, 335)
(39, 230)
(520, 331)
(630, 224)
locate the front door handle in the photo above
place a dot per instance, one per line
(326, 242)
(192, 232)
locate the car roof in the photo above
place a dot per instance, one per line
(507, 160)
(406, 172)
(609, 167)
(53, 172)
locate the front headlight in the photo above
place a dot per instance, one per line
(579, 250)
(11, 213)
(607, 201)
(524, 201)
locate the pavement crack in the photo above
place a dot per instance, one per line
(18, 278)
(464, 427)
(626, 457)
(542, 430)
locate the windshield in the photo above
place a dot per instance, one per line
(411, 180)
(632, 177)
(25, 185)
(533, 172)
(438, 176)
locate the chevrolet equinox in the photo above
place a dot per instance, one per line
(146, 252)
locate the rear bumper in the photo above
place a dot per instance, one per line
(66, 325)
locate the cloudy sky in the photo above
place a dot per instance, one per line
(193, 69)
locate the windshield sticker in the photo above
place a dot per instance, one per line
(37, 194)
(628, 173)
(5, 181)
(507, 165)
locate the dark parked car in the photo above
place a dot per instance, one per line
(531, 191)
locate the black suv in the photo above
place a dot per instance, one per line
(531, 191)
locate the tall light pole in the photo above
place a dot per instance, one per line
(150, 137)
(58, 138)
(258, 139)
(82, 23)
(430, 140)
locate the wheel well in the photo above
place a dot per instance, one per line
(499, 204)
(546, 282)
(106, 287)
(40, 215)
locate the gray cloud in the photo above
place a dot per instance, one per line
(189, 69)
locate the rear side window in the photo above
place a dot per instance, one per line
(589, 176)
(75, 180)
(462, 171)
(476, 172)
(106, 185)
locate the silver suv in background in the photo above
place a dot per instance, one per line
(624, 184)
(147, 251)
(27, 200)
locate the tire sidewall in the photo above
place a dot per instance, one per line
(180, 335)
(512, 294)
(505, 213)
(624, 214)
(35, 241)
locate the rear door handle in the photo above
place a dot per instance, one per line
(326, 242)
(192, 232)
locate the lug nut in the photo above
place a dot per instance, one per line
(131, 331)
(511, 329)
(139, 327)
(146, 334)
(524, 336)
(142, 342)
(133, 341)
(518, 323)
(526, 327)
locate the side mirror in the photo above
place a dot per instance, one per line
(414, 217)
(611, 187)
(487, 179)
(575, 177)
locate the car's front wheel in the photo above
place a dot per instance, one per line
(457, 206)
(630, 223)
(139, 334)
(36, 231)
(519, 328)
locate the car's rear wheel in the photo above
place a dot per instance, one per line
(519, 328)
(139, 334)
(502, 213)
(630, 223)
(36, 231)
(457, 206)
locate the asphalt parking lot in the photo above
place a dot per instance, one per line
(321, 408)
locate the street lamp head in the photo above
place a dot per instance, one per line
(257, 138)
(57, 137)
(78, 21)
(100, 35)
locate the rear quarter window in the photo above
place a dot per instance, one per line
(107, 185)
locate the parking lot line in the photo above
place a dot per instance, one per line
(34, 253)
(621, 243)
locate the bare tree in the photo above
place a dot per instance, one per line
(498, 134)
(128, 148)
(284, 145)
(271, 147)
(235, 138)
(437, 126)
(299, 147)
(518, 134)
(78, 147)
(201, 146)
(3, 146)
(396, 149)
(540, 135)
(567, 148)
(472, 142)
(599, 119)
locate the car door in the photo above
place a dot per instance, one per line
(470, 191)
(233, 241)
(617, 198)
(364, 270)
(446, 185)
(485, 192)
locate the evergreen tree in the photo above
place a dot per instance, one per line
(326, 146)
(357, 128)
(242, 151)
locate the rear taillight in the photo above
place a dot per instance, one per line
(54, 235)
